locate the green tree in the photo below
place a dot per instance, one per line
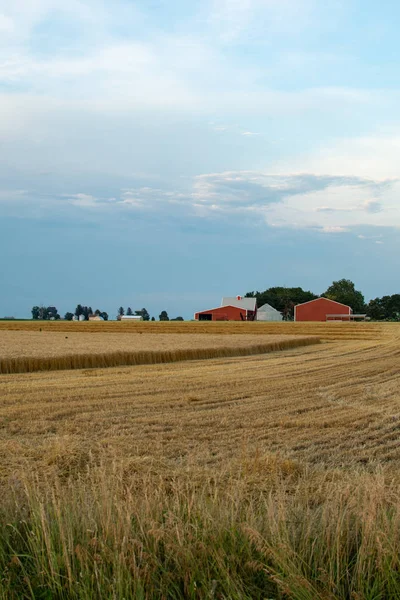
(78, 310)
(52, 313)
(104, 315)
(43, 313)
(143, 313)
(68, 316)
(344, 291)
(129, 311)
(386, 308)
(35, 312)
(153, 318)
(121, 311)
(164, 316)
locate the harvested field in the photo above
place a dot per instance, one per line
(29, 351)
(332, 404)
(327, 331)
(266, 476)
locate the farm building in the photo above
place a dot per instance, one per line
(131, 318)
(322, 309)
(231, 309)
(268, 313)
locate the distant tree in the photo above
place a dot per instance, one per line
(104, 315)
(153, 318)
(129, 311)
(97, 312)
(35, 312)
(178, 319)
(78, 310)
(164, 316)
(121, 312)
(344, 291)
(143, 313)
(69, 316)
(52, 313)
(386, 308)
(43, 313)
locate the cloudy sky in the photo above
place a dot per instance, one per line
(163, 153)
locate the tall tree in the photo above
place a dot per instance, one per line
(164, 316)
(35, 312)
(344, 291)
(104, 315)
(68, 316)
(129, 311)
(121, 311)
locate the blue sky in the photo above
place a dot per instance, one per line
(162, 154)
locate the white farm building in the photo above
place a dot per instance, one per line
(268, 313)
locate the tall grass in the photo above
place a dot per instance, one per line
(123, 535)
(114, 359)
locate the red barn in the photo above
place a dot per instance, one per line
(231, 309)
(322, 309)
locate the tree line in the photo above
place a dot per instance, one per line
(50, 313)
(284, 299)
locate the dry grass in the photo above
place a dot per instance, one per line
(29, 351)
(268, 476)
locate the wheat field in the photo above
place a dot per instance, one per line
(28, 351)
(267, 476)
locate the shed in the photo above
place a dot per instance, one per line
(320, 309)
(266, 312)
(131, 318)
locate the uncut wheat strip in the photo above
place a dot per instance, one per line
(115, 359)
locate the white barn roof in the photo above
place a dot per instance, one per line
(267, 308)
(246, 303)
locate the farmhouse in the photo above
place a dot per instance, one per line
(322, 309)
(231, 309)
(266, 312)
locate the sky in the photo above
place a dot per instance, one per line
(164, 153)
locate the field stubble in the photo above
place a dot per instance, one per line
(270, 476)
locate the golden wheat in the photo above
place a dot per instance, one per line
(26, 352)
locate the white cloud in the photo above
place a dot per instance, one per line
(334, 229)
(85, 200)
